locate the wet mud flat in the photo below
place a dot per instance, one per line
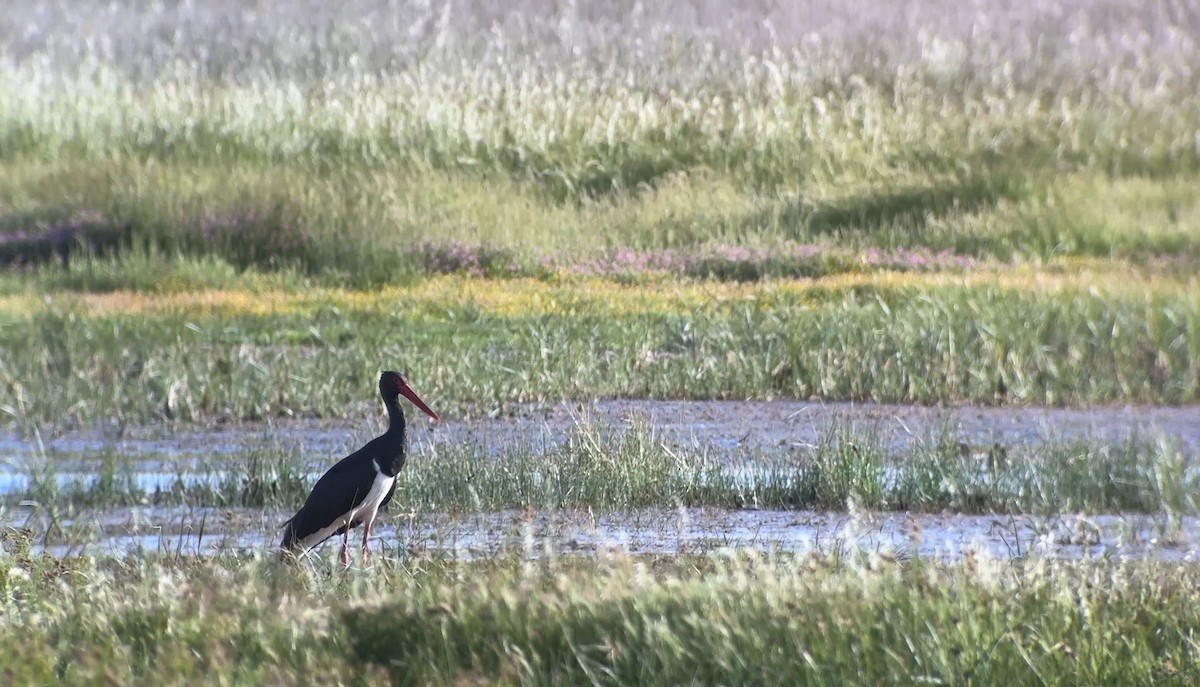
(721, 426)
(664, 531)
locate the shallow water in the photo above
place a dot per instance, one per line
(147, 481)
(720, 425)
(160, 456)
(189, 532)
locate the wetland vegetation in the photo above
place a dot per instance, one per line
(221, 215)
(636, 466)
(742, 617)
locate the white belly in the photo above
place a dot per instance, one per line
(364, 512)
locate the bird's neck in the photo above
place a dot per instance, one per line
(395, 417)
(392, 444)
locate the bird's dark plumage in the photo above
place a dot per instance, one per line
(353, 491)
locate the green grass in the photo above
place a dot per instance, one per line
(301, 152)
(741, 619)
(318, 353)
(671, 132)
(894, 626)
(637, 466)
(356, 228)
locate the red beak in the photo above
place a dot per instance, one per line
(416, 400)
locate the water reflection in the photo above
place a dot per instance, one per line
(191, 532)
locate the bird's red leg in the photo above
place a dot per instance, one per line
(346, 548)
(366, 551)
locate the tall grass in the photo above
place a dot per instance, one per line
(739, 619)
(335, 138)
(892, 626)
(479, 347)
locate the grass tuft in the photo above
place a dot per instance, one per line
(635, 466)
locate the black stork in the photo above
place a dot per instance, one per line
(352, 491)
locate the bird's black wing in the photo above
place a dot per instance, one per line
(338, 491)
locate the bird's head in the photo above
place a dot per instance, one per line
(392, 385)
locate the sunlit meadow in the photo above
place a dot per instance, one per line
(228, 214)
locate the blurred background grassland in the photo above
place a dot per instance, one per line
(334, 138)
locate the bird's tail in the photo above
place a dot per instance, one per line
(290, 540)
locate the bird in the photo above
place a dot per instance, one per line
(353, 490)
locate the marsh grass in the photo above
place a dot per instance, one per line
(478, 347)
(732, 618)
(894, 625)
(635, 466)
(253, 478)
